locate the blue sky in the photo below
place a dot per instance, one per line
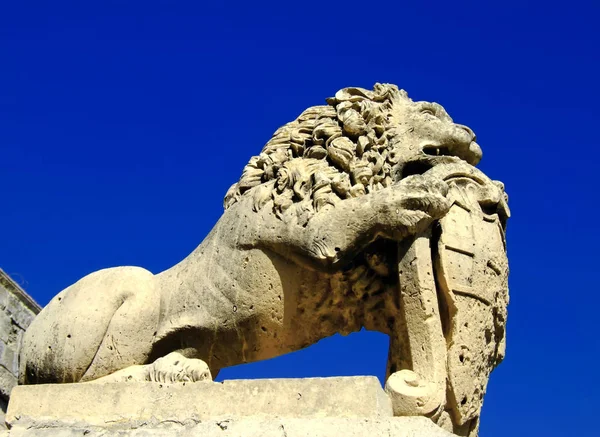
(123, 124)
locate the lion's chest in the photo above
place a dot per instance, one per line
(364, 294)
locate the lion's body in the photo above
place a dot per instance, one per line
(239, 286)
(230, 301)
(307, 247)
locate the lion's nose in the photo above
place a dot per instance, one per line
(468, 130)
(472, 153)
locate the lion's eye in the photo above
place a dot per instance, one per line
(428, 111)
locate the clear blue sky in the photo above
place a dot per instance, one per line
(123, 124)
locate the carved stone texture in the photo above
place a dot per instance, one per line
(17, 310)
(365, 212)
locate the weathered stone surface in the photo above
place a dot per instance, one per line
(244, 427)
(102, 404)
(313, 407)
(17, 310)
(16, 303)
(366, 212)
(251, 427)
(7, 382)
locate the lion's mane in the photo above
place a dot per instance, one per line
(329, 153)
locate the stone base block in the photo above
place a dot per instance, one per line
(313, 407)
(252, 427)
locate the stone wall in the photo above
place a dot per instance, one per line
(17, 310)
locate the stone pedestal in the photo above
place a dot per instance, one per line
(314, 407)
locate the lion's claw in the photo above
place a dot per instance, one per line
(174, 367)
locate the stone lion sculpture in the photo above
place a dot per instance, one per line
(365, 212)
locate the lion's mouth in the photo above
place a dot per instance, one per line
(470, 153)
(437, 154)
(437, 151)
(425, 163)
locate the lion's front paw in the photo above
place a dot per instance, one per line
(412, 204)
(425, 193)
(174, 367)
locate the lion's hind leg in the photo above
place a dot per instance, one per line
(101, 324)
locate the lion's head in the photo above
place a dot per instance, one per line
(361, 141)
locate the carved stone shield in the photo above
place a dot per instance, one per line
(472, 273)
